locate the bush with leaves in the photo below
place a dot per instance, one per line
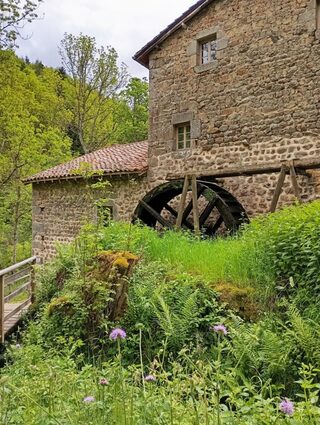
(74, 298)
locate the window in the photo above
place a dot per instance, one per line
(183, 136)
(208, 50)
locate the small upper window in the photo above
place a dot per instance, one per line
(183, 136)
(208, 50)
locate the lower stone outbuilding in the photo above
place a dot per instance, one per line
(113, 180)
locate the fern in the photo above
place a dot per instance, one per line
(304, 334)
(177, 327)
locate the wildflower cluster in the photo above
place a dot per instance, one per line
(118, 333)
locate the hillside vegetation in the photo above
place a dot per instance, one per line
(133, 327)
(39, 128)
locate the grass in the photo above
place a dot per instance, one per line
(46, 388)
(218, 260)
(281, 249)
(201, 377)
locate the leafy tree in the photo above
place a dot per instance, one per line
(14, 14)
(33, 122)
(96, 81)
(132, 111)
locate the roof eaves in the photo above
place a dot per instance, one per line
(142, 55)
(138, 173)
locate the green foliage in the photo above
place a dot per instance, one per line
(96, 80)
(42, 387)
(37, 130)
(201, 376)
(73, 299)
(173, 309)
(290, 245)
(33, 119)
(131, 112)
(276, 254)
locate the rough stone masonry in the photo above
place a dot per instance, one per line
(256, 103)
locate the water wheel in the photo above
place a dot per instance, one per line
(220, 212)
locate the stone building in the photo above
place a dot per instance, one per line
(234, 84)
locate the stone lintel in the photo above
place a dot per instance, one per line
(208, 32)
(181, 118)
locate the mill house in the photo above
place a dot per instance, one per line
(234, 127)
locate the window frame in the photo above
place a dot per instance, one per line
(214, 33)
(186, 139)
(208, 41)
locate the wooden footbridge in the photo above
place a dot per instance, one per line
(16, 294)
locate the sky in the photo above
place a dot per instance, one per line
(126, 25)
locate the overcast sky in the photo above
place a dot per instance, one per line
(125, 25)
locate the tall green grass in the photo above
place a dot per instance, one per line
(276, 250)
(234, 259)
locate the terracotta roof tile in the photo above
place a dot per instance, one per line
(116, 159)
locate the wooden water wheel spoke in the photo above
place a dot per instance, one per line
(156, 215)
(168, 197)
(171, 210)
(214, 227)
(189, 207)
(207, 211)
(175, 214)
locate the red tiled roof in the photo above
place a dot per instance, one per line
(142, 56)
(116, 159)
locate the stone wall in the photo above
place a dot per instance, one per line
(61, 208)
(257, 103)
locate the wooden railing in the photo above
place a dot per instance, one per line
(15, 281)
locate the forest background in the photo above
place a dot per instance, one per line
(48, 116)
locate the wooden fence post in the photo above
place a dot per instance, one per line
(32, 283)
(2, 309)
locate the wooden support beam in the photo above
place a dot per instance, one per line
(156, 215)
(250, 170)
(278, 189)
(294, 181)
(182, 202)
(195, 205)
(189, 207)
(1, 309)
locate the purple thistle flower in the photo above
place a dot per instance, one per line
(150, 378)
(287, 407)
(103, 381)
(118, 333)
(89, 399)
(220, 329)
